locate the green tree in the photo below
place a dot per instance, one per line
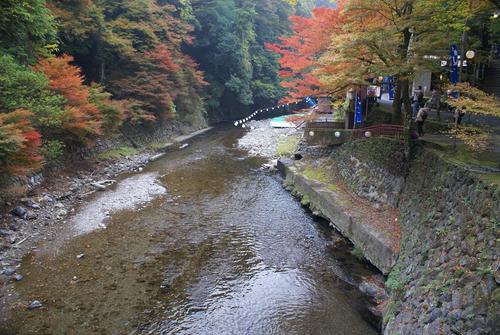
(229, 46)
(393, 38)
(27, 29)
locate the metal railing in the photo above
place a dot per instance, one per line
(380, 130)
(336, 136)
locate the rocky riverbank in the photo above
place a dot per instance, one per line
(446, 279)
(43, 212)
(266, 141)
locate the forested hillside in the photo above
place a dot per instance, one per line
(75, 70)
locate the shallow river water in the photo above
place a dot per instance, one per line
(200, 242)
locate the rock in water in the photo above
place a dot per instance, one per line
(8, 271)
(19, 212)
(98, 186)
(35, 304)
(30, 215)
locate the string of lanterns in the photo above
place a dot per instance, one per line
(255, 113)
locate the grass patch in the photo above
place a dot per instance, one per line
(463, 156)
(156, 145)
(394, 281)
(332, 187)
(117, 153)
(390, 310)
(287, 145)
(436, 127)
(490, 178)
(318, 174)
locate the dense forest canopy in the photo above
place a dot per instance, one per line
(73, 70)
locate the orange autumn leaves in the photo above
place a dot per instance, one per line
(84, 112)
(75, 118)
(81, 117)
(300, 53)
(20, 142)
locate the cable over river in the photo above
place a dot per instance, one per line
(201, 242)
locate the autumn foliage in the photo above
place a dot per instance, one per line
(19, 143)
(81, 117)
(300, 53)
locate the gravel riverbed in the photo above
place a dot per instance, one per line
(45, 211)
(263, 140)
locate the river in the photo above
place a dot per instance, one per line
(201, 242)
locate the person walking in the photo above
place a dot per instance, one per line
(435, 100)
(458, 115)
(418, 98)
(421, 117)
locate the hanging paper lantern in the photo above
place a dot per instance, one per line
(337, 134)
(235, 124)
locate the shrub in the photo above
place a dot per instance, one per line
(19, 143)
(52, 149)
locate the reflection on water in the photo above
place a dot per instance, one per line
(224, 251)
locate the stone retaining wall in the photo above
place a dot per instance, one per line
(447, 277)
(446, 280)
(334, 207)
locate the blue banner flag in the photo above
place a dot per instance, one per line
(310, 102)
(358, 111)
(391, 88)
(453, 64)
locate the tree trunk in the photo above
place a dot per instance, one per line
(396, 104)
(405, 97)
(134, 144)
(103, 72)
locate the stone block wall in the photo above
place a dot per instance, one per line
(446, 280)
(374, 169)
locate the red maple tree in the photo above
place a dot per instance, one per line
(300, 52)
(81, 118)
(19, 143)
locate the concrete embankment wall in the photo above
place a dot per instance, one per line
(446, 279)
(335, 207)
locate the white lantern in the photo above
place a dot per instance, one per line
(368, 134)
(235, 124)
(243, 126)
(311, 133)
(337, 134)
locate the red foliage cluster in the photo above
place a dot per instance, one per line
(163, 56)
(81, 118)
(300, 52)
(20, 143)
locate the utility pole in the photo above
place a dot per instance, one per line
(462, 56)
